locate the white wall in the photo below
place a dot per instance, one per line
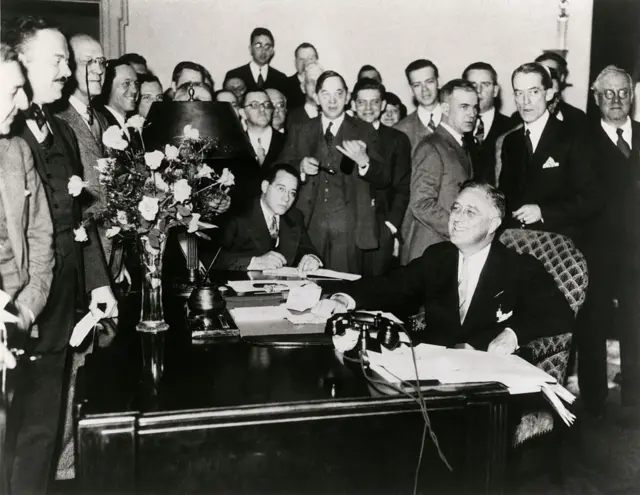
(349, 33)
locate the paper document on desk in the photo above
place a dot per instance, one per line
(289, 271)
(451, 366)
(267, 285)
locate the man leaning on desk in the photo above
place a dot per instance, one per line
(270, 234)
(476, 292)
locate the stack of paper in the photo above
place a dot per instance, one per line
(289, 271)
(451, 366)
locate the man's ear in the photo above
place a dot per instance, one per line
(496, 90)
(494, 224)
(445, 108)
(595, 97)
(549, 94)
(263, 186)
(383, 106)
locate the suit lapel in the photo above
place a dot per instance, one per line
(38, 156)
(56, 129)
(460, 152)
(289, 236)
(83, 133)
(488, 287)
(545, 145)
(258, 228)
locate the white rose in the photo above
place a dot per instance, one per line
(75, 186)
(104, 165)
(80, 234)
(113, 138)
(155, 282)
(148, 208)
(190, 132)
(135, 121)
(121, 216)
(171, 152)
(153, 159)
(113, 231)
(204, 171)
(194, 224)
(226, 178)
(160, 183)
(181, 191)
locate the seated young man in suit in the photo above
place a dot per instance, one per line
(271, 234)
(476, 292)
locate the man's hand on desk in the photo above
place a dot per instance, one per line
(505, 343)
(267, 261)
(328, 307)
(309, 263)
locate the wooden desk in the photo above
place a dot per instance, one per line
(241, 418)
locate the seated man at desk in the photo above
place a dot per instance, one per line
(270, 234)
(476, 292)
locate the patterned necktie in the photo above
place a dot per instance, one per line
(431, 125)
(328, 135)
(260, 79)
(622, 144)
(260, 153)
(273, 230)
(480, 131)
(528, 143)
(463, 289)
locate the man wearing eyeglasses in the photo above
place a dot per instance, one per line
(80, 268)
(546, 167)
(257, 110)
(612, 249)
(279, 118)
(258, 74)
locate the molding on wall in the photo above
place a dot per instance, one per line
(114, 16)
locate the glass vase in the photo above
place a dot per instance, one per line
(152, 311)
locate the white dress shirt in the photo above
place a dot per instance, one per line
(264, 137)
(535, 129)
(487, 120)
(120, 119)
(81, 108)
(456, 135)
(425, 115)
(256, 70)
(613, 134)
(475, 265)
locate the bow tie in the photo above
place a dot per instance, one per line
(35, 113)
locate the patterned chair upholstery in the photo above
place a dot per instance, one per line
(569, 269)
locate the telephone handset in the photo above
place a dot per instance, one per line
(387, 331)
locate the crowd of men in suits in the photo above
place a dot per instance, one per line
(349, 182)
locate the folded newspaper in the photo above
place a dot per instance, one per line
(450, 366)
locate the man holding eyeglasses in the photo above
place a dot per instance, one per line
(258, 74)
(80, 268)
(546, 167)
(257, 110)
(612, 249)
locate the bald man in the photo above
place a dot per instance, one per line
(279, 102)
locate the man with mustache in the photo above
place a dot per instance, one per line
(440, 163)
(80, 267)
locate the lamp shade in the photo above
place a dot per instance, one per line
(217, 121)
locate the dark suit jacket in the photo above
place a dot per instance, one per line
(567, 193)
(275, 78)
(439, 166)
(413, 127)
(613, 236)
(247, 235)
(483, 155)
(304, 141)
(295, 96)
(297, 117)
(93, 271)
(133, 138)
(392, 201)
(508, 282)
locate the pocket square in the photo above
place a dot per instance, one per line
(550, 163)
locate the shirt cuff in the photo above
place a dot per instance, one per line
(515, 336)
(315, 257)
(251, 264)
(345, 299)
(363, 169)
(392, 227)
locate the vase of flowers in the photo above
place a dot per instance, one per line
(148, 193)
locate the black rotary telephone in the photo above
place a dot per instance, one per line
(387, 331)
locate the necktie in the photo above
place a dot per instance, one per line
(328, 135)
(260, 79)
(622, 144)
(431, 125)
(260, 153)
(528, 143)
(463, 289)
(36, 114)
(480, 131)
(273, 230)
(94, 125)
